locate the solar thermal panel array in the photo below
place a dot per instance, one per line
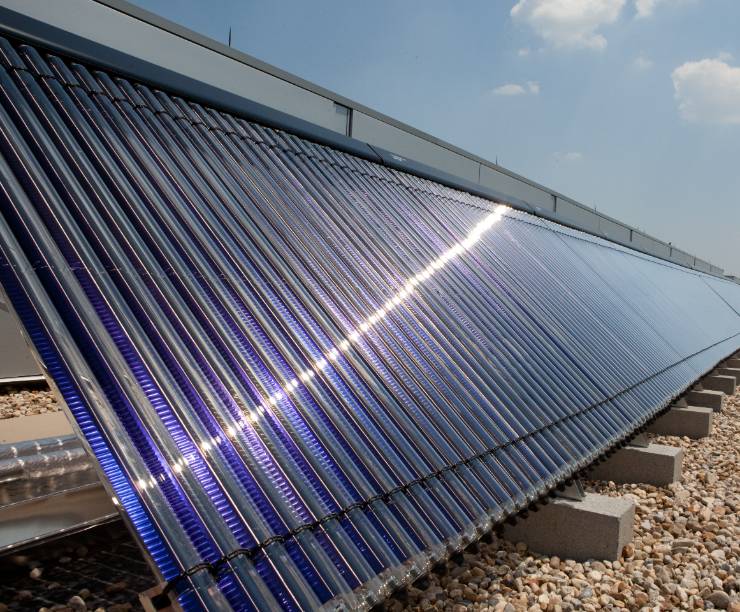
(305, 376)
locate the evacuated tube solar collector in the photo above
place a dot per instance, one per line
(307, 377)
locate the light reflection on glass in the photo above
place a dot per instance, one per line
(355, 336)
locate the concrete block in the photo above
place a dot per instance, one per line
(691, 421)
(705, 399)
(729, 372)
(732, 362)
(597, 527)
(656, 464)
(723, 383)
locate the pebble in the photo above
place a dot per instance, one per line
(77, 603)
(719, 599)
(685, 553)
(116, 587)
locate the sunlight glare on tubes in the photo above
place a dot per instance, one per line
(333, 355)
(396, 300)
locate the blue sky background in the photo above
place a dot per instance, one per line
(635, 114)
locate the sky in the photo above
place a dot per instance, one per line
(628, 106)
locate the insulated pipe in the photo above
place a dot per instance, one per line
(35, 468)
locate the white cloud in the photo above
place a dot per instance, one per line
(646, 8)
(643, 63)
(567, 156)
(510, 89)
(569, 23)
(514, 89)
(708, 91)
(523, 52)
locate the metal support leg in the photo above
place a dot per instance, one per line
(641, 440)
(573, 491)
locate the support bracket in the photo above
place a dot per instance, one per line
(641, 440)
(573, 491)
